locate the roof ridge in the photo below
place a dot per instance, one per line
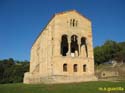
(72, 11)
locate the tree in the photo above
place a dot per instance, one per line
(98, 55)
(110, 50)
(12, 72)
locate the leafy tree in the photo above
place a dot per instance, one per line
(12, 71)
(120, 56)
(98, 55)
(110, 50)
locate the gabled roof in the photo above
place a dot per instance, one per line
(56, 14)
(72, 11)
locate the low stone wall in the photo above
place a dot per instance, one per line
(36, 79)
(109, 74)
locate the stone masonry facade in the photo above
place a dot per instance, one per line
(63, 51)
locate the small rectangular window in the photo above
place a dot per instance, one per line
(84, 68)
(64, 67)
(75, 68)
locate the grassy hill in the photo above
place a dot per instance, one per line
(85, 87)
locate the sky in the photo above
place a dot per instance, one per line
(22, 20)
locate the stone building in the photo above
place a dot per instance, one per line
(63, 51)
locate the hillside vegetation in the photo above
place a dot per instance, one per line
(110, 50)
(12, 71)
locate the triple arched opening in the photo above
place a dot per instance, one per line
(72, 45)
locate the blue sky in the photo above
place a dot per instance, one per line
(22, 20)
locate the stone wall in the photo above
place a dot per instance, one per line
(46, 64)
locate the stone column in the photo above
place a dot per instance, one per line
(86, 48)
(69, 47)
(79, 46)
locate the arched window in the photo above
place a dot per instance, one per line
(64, 67)
(74, 45)
(64, 45)
(84, 68)
(73, 22)
(83, 43)
(75, 67)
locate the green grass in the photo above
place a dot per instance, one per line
(85, 87)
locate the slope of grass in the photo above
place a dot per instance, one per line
(85, 87)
